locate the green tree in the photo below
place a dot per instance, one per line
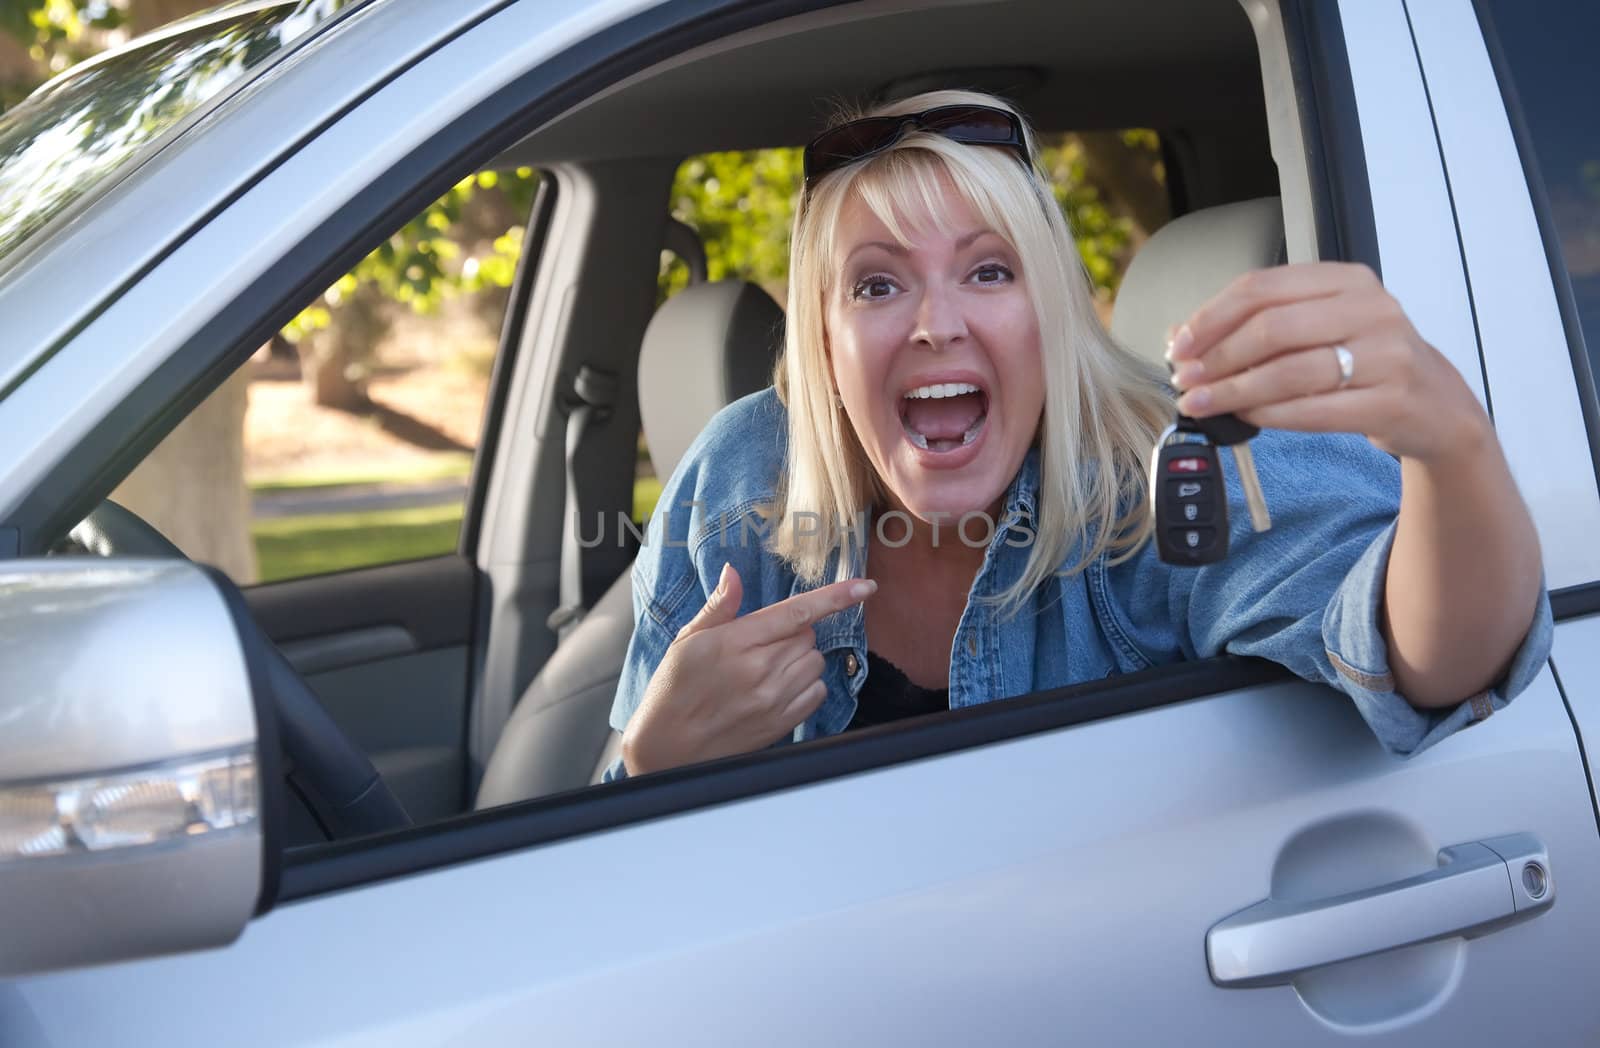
(466, 242)
(1110, 186)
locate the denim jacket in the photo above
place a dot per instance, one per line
(1305, 594)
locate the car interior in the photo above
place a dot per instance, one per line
(1068, 67)
(528, 712)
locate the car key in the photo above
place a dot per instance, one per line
(1235, 432)
(1189, 498)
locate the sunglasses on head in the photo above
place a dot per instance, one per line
(971, 125)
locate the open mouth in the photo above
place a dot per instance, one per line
(944, 417)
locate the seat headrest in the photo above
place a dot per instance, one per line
(1187, 261)
(706, 347)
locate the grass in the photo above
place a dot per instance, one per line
(441, 467)
(294, 547)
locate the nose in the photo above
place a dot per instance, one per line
(940, 321)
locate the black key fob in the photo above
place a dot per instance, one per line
(1190, 501)
(1227, 429)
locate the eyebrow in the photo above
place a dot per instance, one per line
(963, 242)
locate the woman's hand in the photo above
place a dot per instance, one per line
(730, 685)
(1264, 348)
(1463, 580)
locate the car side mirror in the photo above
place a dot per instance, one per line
(133, 759)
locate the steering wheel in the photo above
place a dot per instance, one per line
(331, 774)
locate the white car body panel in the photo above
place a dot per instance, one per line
(1055, 888)
(1417, 245)
(1537, 414)
(1576, 658)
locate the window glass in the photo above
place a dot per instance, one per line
(347, 440)
(1548, 54)
(76, 131)
(1110, 184)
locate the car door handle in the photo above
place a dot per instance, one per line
(1477, 888)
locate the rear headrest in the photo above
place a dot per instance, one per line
(1186, 262)
(706, 347)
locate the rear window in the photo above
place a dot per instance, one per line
(1547, 70)
(75, 132)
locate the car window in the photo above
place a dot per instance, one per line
(346, 441)
(1547, 65)
(80, 129)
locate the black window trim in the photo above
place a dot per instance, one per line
(1336, 158)
(1347, 230)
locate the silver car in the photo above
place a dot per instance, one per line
(361, 808)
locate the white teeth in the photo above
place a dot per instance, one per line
(966, 438)
(941, 390)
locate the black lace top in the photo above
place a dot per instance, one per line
(889, 695)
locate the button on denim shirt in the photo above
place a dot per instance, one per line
(1305, 594)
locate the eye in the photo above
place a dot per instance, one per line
(876, 286)
(992, 273)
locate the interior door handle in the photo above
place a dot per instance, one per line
(1477, 888)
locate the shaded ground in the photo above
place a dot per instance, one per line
(333, 490)
(427, 417)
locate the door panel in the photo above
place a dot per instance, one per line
(1056, 888)
(387, 651)
(1575, 654)
(409, 714)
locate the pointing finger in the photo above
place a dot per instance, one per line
(787, 617)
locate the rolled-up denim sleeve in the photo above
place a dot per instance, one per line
(1308, 593)
(1357, 653)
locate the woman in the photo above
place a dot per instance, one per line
(955, 442)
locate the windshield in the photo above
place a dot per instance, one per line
(76, 131)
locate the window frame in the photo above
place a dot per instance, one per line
(1345, 229)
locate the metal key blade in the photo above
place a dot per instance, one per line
(1260, 519)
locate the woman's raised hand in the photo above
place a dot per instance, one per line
(730, 685)
(1267, 348)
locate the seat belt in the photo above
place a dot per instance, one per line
(595, 394)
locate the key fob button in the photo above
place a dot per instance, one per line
(1189, 502)
(1195, 540)
(1193, 465)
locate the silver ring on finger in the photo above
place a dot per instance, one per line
(1347, 365)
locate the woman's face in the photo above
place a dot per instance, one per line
(935, 351)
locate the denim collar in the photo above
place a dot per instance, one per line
(845, 629)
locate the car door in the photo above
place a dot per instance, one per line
(1042, 869)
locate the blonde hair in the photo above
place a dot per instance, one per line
(1103, 407)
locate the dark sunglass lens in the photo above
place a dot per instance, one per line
(977, 126)
(850, 142)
